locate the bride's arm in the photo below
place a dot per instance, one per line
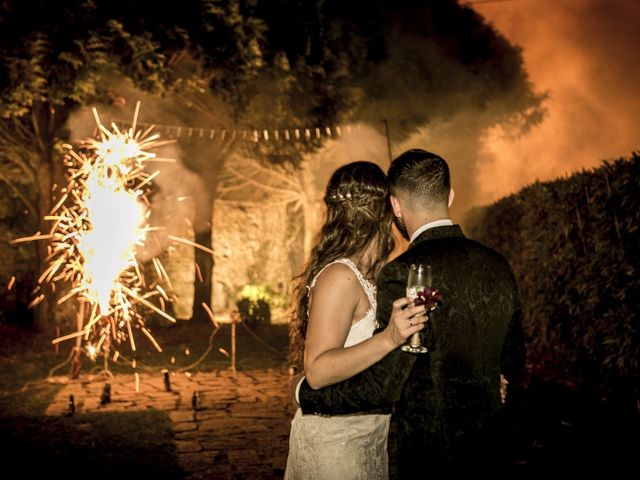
(333, 301)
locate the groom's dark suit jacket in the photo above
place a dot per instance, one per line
(446, 401)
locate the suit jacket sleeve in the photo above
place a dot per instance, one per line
(381, 384)
(513, 353)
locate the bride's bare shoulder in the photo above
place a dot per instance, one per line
(336, 275)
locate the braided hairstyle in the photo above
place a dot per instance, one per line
(357, 226)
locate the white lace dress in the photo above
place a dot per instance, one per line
(344, 447)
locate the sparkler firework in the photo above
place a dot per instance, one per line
(97, 225)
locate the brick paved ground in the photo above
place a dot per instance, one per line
(240, 428)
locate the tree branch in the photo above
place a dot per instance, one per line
(251, 203)
(273, 172)
(281, 174)
(27, 203)
(35, 123)
(258, 184)
(12, 157)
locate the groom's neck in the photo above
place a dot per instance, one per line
(416, 220)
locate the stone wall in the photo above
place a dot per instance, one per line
(255, 244)
(178, 261)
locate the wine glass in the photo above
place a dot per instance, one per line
(418, 280)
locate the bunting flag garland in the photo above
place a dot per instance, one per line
(248, 135)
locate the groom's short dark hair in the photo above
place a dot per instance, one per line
(422, 175)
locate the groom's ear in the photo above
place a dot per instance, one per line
(395, 205)
(452, 195)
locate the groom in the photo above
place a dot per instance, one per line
(447, 401)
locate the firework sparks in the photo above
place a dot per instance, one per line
(97, 224)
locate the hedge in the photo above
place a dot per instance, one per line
(573, 245)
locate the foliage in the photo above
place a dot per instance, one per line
(254, 304)
(573, 246)
(406, 61)
(435, 59)
(278, 63)
(16, 261)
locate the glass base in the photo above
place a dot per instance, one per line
(414, 349)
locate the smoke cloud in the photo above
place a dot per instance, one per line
(447, 76)
(585, 54)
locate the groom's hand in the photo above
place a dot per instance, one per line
(503, 388)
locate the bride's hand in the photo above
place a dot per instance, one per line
(406, 319)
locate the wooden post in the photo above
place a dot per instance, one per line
(388, 137)
(56, 347)
(234, 322)
(76, 363)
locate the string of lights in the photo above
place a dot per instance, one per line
(480, 2)
(292, 134)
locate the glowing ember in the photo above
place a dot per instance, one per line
(91, 351)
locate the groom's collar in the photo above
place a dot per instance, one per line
(438, 232)
(427, 226)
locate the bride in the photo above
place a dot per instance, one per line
(333, 330)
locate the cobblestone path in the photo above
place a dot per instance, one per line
(238, 430)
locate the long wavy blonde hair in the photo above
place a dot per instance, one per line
(357, 226)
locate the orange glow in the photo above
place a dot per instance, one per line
(583, 53)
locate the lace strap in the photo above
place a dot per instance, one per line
(367, 286)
